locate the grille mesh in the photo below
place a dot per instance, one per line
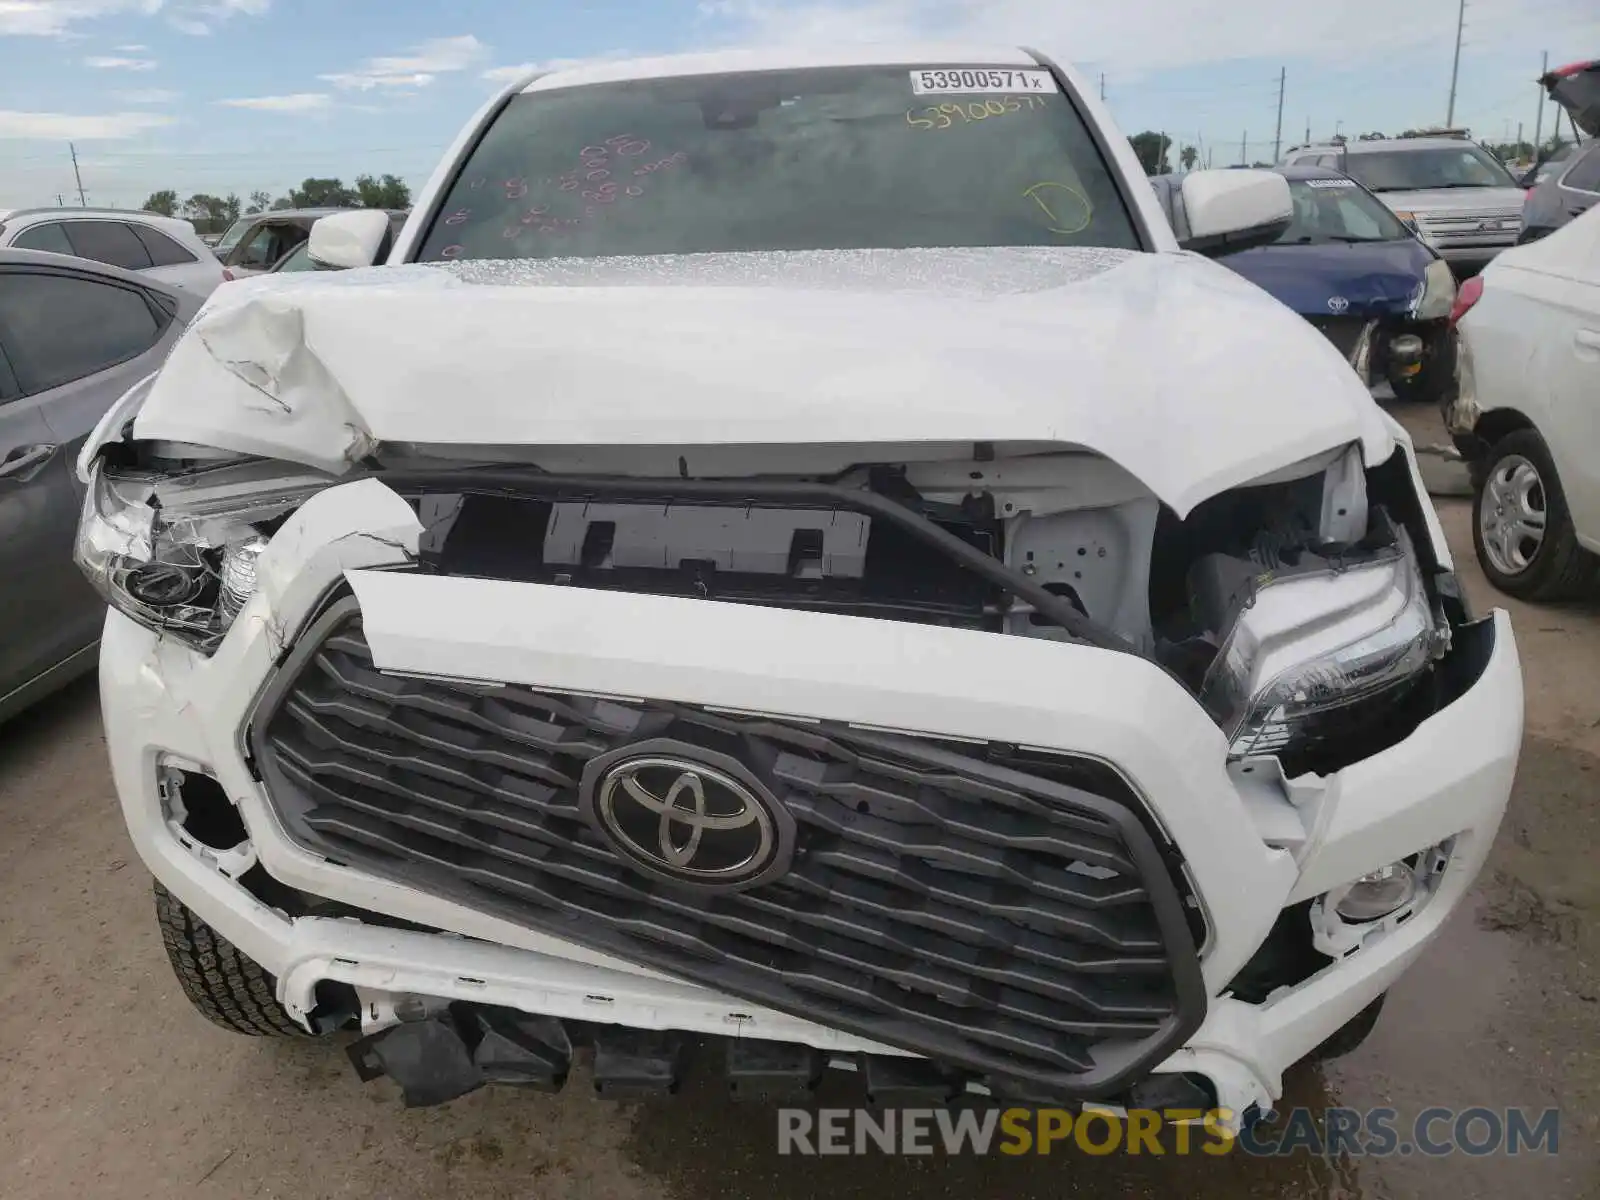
(1007, 921)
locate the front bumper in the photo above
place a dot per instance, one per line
(1251, 844)
(1470, 259)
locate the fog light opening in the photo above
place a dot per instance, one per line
(1378, 893)
(1354, 915)
(196, 804)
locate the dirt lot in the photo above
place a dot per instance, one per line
(114, 1087)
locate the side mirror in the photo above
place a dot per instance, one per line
(349, 239)
(1232, 210)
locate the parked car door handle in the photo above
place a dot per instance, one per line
(23, 461)
(1589, 339)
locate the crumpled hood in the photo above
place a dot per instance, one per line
(1373, 278)
(1173, 367)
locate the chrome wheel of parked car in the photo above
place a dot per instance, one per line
(1511, 518)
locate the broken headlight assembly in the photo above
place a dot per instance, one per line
(1309, 647)
(177, 552)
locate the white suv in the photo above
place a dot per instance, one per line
(784, 565)
(163, 248)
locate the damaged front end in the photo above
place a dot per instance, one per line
(1299, 610)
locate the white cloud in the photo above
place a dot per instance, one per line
(510, 74)
(299, 102)
(416, 68)
(134, 49)
(102, 62)
(199, 19)
(64, 126)
(147, 96)
(52, 18)
(1130, 38)
(56, 18)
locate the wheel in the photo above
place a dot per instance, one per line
(229, 988)
(1520, 525)
(1351, 1034)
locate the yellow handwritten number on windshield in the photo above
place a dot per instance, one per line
(1066, 208)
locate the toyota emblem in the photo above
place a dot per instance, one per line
(687, 815)
(1338, 304)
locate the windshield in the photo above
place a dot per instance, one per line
(231, 238)
(804, 160)
(1463, 166)
(1336, 210)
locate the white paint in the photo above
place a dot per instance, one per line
(1533, 344)
(348, 239)
(1139, 357)
(1220, 202)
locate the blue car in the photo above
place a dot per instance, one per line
(1358, 273)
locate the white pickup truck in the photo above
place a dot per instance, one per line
(790, 565)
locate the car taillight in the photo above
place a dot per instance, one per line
(1468, 294)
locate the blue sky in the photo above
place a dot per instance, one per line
(238, 95)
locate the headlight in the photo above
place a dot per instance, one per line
(1438, 292)
(1306, 646)
(177, 553)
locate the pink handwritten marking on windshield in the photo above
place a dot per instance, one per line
(516, 189)
(459, 217)
(478, 183)
(452, 252)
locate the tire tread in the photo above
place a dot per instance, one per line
(228, 987)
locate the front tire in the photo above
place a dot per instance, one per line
(229, 988)
(1521, 528)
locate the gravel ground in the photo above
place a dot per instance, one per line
(114, 1087)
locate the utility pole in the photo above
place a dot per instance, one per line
(1161, 152)
(1538, 122)
(78, 175)
(1455, 66)
(1519, 139)
(1244, 140)
(1102, 86)
(61, 201)
(1277, 138)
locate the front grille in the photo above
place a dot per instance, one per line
(1343, 332)
(1473, 226)
(1005, 912)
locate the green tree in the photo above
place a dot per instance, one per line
(1151, 150)
(388, 192)
(1188, 156)
(231, 208)
(259, 203)
(323, 193)
(164, 203)
(1372, 137)
(205, 207)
